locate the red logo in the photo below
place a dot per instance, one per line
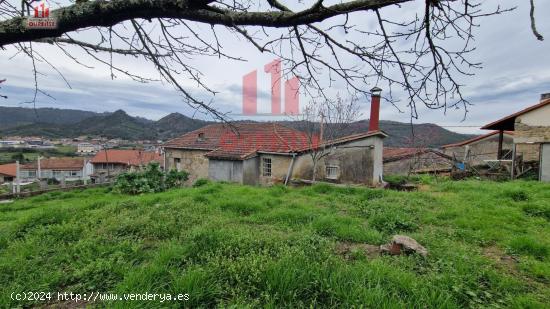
(250, 91)
(42, 11)
(41, 18)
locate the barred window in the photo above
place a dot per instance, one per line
(331, 172)
(266, 167)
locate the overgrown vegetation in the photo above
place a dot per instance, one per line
(229, 245)
(151, 180)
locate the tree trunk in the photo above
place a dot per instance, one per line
(314, 172)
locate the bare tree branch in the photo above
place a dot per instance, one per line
(422, 58)
(533, 23)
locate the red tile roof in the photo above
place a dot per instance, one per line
(127, 157)
(8, 169)
(475, 139)
(507, 123)
(242, 140)
(60, 164)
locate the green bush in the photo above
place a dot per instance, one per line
(151, 180)
(200, 182)
(517, 195)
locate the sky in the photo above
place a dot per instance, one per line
(516, 71)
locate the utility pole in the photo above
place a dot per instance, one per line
(39, 174)
(17, 178)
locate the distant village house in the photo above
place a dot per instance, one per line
(112, 162)
(7, 172)
(61, 169)
(87, 148)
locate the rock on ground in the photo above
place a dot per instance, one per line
(403, 244)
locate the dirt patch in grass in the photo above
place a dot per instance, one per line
(424, 188)
(508, 262)
(68, 304)
(349, 250)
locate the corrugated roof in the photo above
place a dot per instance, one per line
(507, 123)
(127, 157)
(475, 139)
(8, 169)
(394, 154)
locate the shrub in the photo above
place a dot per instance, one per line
(200, 182)
(517, 195)
(175, 178)
(151, 180)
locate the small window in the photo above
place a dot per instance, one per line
(201, 137)
(177, 164)
(266, 167)
(332, 172)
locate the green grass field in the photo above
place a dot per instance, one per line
(228, 245)
(6, 155)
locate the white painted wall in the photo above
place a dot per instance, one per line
(538, 117)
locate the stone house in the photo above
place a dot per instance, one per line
(268, 153)
(531, 127)
(112, 162)
(7, 172)
(69, 169)
(477, 150)
(405, 161)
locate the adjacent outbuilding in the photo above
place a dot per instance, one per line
(531, 137)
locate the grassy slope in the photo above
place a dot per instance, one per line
(235, 245)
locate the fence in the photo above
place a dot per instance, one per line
(23, 194)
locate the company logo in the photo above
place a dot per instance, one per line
(250, 91)
(41, 18)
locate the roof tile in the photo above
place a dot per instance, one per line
(127, 156)
(8, 169)
(56, 164)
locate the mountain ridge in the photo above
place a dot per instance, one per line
(60, 123)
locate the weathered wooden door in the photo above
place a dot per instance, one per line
(545, 162)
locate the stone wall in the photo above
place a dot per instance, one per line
(358, 162)
(192, 161)
(528, 152)
(531, 134)
(532, 129)
(279, 169)
(113, 170)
